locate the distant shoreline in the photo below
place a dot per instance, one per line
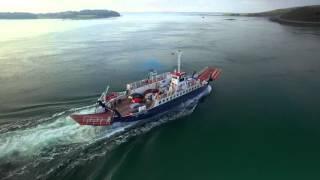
(83, 14)
(298, 16)
(292, 22)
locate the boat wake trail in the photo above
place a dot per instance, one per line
(58, 144)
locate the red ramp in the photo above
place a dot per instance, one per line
(99, 119)
(209, 72)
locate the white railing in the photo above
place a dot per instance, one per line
(144, 82)
(193, 85)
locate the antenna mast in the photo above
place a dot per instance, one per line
(179, 53)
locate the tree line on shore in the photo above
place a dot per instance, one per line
(83, 14)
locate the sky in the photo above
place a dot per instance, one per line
(151, 5)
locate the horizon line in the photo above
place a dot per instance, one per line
(168, 11)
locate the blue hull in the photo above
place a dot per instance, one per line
(163, 107)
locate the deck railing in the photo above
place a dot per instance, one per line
(144, 82)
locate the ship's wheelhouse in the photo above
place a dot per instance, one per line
(178, 77)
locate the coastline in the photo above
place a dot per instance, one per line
(294, 22)
(296, 16)
(73, 15)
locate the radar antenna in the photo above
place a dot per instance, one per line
(179, 55)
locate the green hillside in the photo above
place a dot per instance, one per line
(83, 14)
(306, 15)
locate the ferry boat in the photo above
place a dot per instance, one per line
(148, 97)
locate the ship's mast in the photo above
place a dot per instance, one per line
(179, 53)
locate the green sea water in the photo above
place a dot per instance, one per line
(261, 120)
